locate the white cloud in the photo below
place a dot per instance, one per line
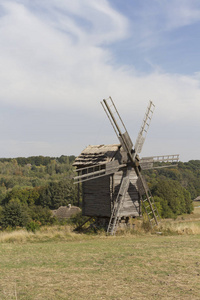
(53, 56)
(44, 67)
(40, 62)
(181, 13)
(154, 19)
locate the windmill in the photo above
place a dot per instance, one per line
(116, 187)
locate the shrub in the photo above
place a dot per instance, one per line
(32, 226)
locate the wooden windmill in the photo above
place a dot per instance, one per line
(112, 184)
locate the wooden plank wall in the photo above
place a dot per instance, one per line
(131, 205)
(97, 197)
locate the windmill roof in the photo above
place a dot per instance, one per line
(96, 154)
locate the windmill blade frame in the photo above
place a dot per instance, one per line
(121, 132)
(144, 128)
(148, 201)
(127, 145)
(147, 163)
(98, 170)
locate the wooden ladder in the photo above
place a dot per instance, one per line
(115, 216)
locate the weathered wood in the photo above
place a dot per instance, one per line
(100, 193)
(131, 206)
(148, 162)
(93, 155)
(97, 197)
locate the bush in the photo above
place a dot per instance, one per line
(42, 215)
(32, 226)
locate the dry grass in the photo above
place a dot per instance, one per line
(167, 227)
(187, 224)
(65, 233)
(46, 233)
(181, 226)
(122, 267)
(56, 263)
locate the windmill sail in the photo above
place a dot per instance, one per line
(118, 125)
(144, 128)
(127, 145)
(148, 201)
(99, 170)
(147, 163)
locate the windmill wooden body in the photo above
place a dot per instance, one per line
(112, 184)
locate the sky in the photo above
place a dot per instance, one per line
(60, 58)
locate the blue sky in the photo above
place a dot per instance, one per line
(59, 59)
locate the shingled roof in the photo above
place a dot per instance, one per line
(96, 154)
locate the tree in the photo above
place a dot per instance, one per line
(174, 199)
(27, 196)
(56, 194)
(41, 215)
(14, 214)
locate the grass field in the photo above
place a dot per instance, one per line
(63, 265)
(148, 267)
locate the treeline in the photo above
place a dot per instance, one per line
(33, 171)
(25, 206)
(31, 187)
(174, 188)
(39, 160)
